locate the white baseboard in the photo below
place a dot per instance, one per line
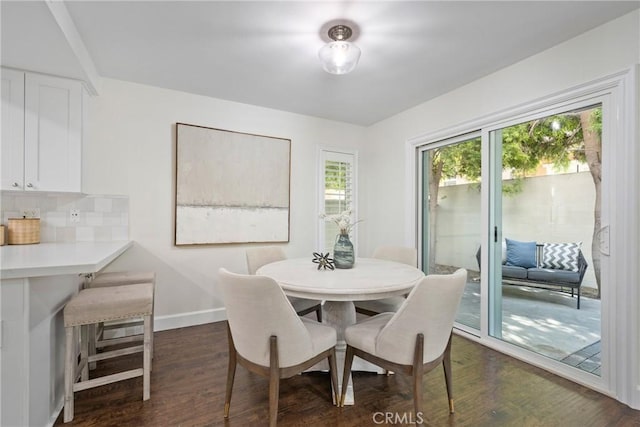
(183, 320)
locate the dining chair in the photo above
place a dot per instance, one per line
(268, 338)
(257, 257)
(399, 254)
(416, 338)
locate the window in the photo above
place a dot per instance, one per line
(337, 192)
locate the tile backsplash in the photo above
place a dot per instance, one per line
(96, 218)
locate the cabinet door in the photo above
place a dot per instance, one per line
(53, 134)
(12, 151)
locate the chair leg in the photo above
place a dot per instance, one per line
(146, 358)
(92, 344)
(84, 351)
(274, 381)
(418, 372)
(319, 313)
(69, 371)
(446, 363)
(333, 372)
(231, 373)
(152, 329)
(348, 360)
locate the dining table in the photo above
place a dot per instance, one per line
(368, 279)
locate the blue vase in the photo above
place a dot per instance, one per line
(343, 256)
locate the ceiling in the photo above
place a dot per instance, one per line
(265, 52)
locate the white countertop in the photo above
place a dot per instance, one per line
(50, 259)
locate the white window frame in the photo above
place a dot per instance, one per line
(340, 154)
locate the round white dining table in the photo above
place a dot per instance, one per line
(369, 279)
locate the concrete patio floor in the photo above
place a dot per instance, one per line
(541, 320)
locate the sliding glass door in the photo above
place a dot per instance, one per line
(542, 211)
(451, 216)
(544, 293)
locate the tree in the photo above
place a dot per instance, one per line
(554, 139)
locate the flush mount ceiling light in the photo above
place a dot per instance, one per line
(339, 56)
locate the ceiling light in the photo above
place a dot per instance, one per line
(339, 56)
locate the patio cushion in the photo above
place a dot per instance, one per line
(514, 272)
(552, 276)
(561, 256)
(521, 254)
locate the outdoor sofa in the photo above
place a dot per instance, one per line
(545, 265)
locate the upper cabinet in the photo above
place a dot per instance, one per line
(41, 132)
(12, 130)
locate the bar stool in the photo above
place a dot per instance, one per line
(92, 306)
(117, 278)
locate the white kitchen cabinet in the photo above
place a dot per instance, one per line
(51, 138)
(12, 129)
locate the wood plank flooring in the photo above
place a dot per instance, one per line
(189, 374)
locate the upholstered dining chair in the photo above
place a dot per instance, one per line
(257, 257)
(399, 254)
(268, 338)
(416, 338)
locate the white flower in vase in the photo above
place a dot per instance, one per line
(342, 220)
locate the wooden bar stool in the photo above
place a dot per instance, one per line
(96, 332)
(92, 306)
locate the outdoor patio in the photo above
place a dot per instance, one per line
(544, 321)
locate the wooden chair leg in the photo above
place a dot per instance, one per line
(348, 360)
(231, 373)
(146, 359)
(446, 363)
(274, 381)
(418, 372)
(69, 371)
(152, 329)
(92, 345)
(84, 351)
(333, 372)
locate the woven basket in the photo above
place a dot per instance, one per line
(24, 231)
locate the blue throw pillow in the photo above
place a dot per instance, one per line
(521, 254)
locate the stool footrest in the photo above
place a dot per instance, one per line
(108, 326)
(121, 340)
(108, 379)
(116, 353)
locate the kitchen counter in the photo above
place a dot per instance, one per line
(37, 281)
(51, 259)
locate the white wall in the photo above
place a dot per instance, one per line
(129, 149)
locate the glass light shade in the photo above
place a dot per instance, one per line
(339, 57)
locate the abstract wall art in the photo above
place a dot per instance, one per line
(231, 187)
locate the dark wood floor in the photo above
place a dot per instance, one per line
(490, 389)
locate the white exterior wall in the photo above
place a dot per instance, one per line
(551, 209)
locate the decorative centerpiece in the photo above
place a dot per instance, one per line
(323, 260)
(343, 254)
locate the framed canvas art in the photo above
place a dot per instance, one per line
(231, 187)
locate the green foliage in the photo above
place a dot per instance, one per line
(461, 159)
(553, 139)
